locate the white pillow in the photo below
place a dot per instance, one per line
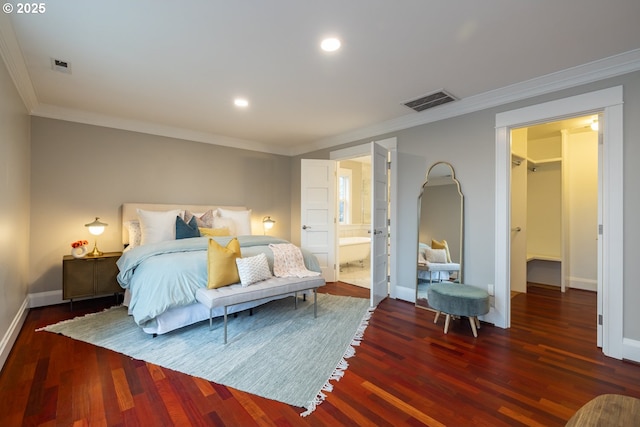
(253, 269)
(437, 255)
(157, 226)
(135, 234)
(241, 220)
(219, 222)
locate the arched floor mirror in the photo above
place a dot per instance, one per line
(440, 230)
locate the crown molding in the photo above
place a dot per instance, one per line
(612, 66)
(14, 61)
(587, 73)
(86, 117)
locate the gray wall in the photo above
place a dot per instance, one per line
(82, 171)
(468, 143)
(14, 205)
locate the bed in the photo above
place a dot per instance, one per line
(161, 273)
(434, 265)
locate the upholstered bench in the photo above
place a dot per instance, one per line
(458, 300)
(237, 294)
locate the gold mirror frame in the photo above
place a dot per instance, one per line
(439, 175)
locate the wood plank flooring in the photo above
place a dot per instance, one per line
(406, 372)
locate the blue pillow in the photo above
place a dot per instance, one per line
(184, 230)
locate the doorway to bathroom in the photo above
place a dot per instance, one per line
(354, 221)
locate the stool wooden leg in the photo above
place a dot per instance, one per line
(477, 322)
(472, 321)
(437, 315)
(446, 323)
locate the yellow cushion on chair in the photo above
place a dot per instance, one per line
(221, 264)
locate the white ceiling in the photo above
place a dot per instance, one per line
(174, 67)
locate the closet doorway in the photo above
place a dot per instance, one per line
(611, 305)
(554, 204)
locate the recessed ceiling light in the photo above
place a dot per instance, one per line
(330, 44)
(241, 102)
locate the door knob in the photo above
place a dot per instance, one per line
(516, 229)
(304, 227)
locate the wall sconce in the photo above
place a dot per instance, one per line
(96, 228)
(267, 223)
(594, 125)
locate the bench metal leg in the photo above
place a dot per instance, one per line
(315, 303)
(210, 318)
(225, 324)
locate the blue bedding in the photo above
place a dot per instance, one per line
(164, 275)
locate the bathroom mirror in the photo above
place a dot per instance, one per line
(440, 230)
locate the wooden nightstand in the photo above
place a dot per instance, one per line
(90, 276)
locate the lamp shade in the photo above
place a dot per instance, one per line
(268, 223)
(96, 227)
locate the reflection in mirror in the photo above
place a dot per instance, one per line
(440, 230)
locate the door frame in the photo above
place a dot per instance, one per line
(609, 102)
(391, 144)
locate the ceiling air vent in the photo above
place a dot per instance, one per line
(429, 101)
(61, 66)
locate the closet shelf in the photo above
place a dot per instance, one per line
(540, 257)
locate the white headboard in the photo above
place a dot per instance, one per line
(129, 212)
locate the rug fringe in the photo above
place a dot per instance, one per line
(343, 365)
(46, 328)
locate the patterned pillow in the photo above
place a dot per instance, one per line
(135, 234)
(253, 269)
(438, 256)
(203, 220)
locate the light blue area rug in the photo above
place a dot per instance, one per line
(279, 353)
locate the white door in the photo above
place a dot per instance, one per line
(318, 213)
(600, 289)
(518, 266)
(379, 223)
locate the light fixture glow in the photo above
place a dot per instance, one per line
(267, 223)
(594, 125)
(241, 102)
(96, 228)
(330, 44)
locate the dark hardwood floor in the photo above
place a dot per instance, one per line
(406, 372)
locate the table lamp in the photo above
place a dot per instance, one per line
(267, 223)
(96, 228)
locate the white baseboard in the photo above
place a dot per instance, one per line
(631, 349)
(584, 284)
(41, 299)
(12, 333)
(405, 294)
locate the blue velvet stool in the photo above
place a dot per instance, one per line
(455, 299)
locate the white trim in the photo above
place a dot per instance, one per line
(41, 299)
(631, 349)
(404, 293)
(582, 283)
(610, 100)
(12, 333)
(86, 117)
(12, 55)
(612, 66)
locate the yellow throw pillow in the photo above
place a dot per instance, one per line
(221, 266)
(441, 245)
(214, 232)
